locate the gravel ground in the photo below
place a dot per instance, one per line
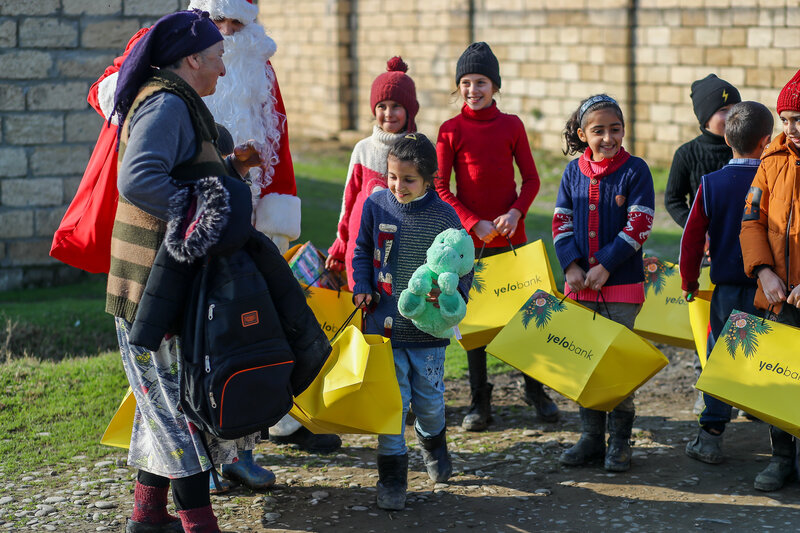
(506, 479)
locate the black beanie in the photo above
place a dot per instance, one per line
(710, 94)
(478, 59)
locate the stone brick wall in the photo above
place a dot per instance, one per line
(645, 53)
(51, 51)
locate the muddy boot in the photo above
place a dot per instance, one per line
(392, 481)
(434, 454)
(480, 410)
(618, 455)
(535, 396)
(707, 447)
(781, 467)
(591, 446)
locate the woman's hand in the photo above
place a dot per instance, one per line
(485, 231)
(246, 156)
(597, 277)
(576, 277)
(507, 224)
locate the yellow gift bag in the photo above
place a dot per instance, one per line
(330, 307)
(582, 355)
(356, 391)
(500, 285)
(755, 366)
(118, 432)
(699, 314)
(664, 316)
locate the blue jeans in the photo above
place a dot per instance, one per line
(725, 299)
(420, 374)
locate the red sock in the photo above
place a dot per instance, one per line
(199, 520)
(150, 505)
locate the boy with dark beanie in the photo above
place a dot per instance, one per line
(770, 240)
(717, 212)
(712, 98)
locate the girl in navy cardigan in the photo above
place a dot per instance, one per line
(603, 215)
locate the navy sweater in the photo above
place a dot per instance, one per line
(717, 210)
(622, 211)
(392, 243)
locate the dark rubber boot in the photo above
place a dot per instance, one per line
(434, 454)
(392, 482)
(618, 455)
(310, 442)
(706, 447)
(535, 396)
(591, 446)
(247, 472)
(480, 410)
(781, 466)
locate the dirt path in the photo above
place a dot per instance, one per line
(507, 479)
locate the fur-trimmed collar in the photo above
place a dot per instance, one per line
(198, 215)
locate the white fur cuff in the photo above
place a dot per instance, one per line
(105, 95)
(241, 10)
(278, 214)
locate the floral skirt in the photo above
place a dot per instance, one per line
(163, 441)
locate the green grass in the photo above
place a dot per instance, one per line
(54, 323)
(50, 412)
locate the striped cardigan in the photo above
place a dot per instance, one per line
(137, 235)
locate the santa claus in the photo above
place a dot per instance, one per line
(248, 103)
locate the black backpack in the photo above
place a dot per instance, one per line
(237, 364)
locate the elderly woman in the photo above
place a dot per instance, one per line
(167, 132)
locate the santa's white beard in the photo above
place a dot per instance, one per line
(243, 101)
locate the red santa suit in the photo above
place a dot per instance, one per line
(247, 101)
(83, 239)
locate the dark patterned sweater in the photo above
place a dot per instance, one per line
(392, 243)
(703, 155)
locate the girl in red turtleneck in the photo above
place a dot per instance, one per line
(482, 144)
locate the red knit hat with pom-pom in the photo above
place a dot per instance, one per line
(789, 98)
(396, 85)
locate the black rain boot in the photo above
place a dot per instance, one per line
(434, 454)
(618, 455)
(480, 410)
(535, 396)
(591, 446)
(392, 481)
(781, 466)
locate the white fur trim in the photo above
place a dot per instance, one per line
(105, 95)
(241, 10)
(278, 214)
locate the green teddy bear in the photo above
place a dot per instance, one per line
(449, 258)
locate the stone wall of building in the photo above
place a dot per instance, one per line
(645, 53)
(51, 51)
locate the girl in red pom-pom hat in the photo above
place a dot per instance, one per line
(393, 100)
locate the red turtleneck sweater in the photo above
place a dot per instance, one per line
(482, 146)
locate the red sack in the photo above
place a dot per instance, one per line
(83, 239)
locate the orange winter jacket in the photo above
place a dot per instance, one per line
(771, 222)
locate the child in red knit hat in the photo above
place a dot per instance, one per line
(770, 239)
(482, 144)
(393, 100)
